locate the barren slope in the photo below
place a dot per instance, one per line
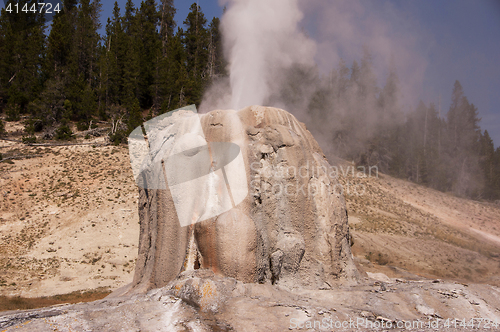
(68, 219)
(400, 225)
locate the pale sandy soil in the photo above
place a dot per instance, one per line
(68, 220)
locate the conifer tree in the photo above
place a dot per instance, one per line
(120, 63)
(129, 53)
(48, 109)
(85, 40)
(389, 98)
(112, 59)
(178, 74)
(167, 23)
(354, 79)
(463, 136)
(62, 60)
(150, 45)
(342, 79)
(129, 19)
(496, 175)
(368, 80)
(196, 42)
(168, 70)
(216, 65)
(84, 60)
(487, 164)
(6, 57)
(24, 38)
(60, 40)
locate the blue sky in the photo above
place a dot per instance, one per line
(457, 39)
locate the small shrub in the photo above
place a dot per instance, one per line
(382, 259)
(64, 133)
(29, 139)
(2, 128)
(82, 125)
(12, 113)
(32, 126)
(118, 137)
(68, 106)
(102, 114)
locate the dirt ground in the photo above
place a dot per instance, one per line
(403, 229)
(68, 218)
(69, 222)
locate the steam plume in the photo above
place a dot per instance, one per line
(264, 39)
(261, 38)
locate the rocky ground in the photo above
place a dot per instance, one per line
(201, 301)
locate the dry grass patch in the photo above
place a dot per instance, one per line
(24, 303)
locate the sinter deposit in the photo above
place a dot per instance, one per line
(290, 230)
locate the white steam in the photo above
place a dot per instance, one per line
(264, 39)
(343, 28)
(261, 40)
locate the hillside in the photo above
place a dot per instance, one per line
(400, 228)
(68, 222)
(68, 218)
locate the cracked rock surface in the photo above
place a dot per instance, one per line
(202, 301)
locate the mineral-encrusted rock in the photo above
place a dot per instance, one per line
(290, 230)
(199, 300)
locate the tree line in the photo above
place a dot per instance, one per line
(143, 62)
(145, 65)
(360, 121)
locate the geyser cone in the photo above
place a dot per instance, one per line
(291, 229)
